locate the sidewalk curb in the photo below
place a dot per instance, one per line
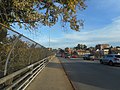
(67, 75)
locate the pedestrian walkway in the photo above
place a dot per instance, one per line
(52, 77)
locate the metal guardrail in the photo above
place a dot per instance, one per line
(20, 59)
(17, 51)
(19, 80)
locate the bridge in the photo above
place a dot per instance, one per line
(27, 65)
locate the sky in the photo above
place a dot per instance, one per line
(101, 26)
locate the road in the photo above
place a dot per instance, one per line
(91, 75)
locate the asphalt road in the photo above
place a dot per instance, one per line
(91, 75)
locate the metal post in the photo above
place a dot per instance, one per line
(49, 39)
(8, 57)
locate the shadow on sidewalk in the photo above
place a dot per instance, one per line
(54, 65)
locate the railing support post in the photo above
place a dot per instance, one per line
(8, 57)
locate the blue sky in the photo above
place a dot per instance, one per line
(101, 25)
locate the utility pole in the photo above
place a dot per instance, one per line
(49, 39)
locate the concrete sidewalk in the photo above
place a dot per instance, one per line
(52, 77)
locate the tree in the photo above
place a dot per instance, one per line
(30, 13)
(61, 51)
(110, 49)
(3, 34)
(81, 46)
(66, 49)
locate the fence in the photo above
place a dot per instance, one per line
(19, 56)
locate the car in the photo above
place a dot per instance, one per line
(110, 59)
(74, 56)
(88, 57)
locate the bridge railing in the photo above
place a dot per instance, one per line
(20, 79)
(20, 57)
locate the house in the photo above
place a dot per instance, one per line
(83, 52)
(102, 46)
(105, 51)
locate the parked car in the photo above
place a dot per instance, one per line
(110, 59)
(88, 57)
(74, 56)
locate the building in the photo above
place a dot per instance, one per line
(118, 47)
(106, 51)
(102, 46)
(115, 50)
(83, 52)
